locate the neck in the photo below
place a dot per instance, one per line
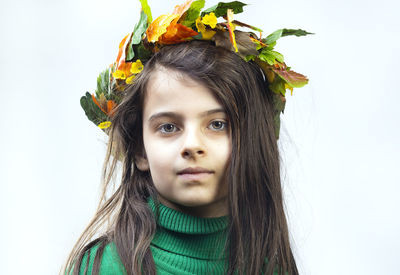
(212, 210)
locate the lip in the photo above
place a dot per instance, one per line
(195, 170)
(194, 174)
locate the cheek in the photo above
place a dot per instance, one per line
(221, 151)
(160, 157)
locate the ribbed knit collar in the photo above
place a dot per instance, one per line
(188, 235)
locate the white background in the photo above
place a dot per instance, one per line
(340, 136)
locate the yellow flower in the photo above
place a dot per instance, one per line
(137, 67)
(104, 124)
(119, 74)
(130, 79)
(206, 34)
(210, 19)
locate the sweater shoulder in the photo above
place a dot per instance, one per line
(110, 262)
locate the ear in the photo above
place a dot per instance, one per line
(142, 163)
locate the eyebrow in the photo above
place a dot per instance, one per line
(178, 116)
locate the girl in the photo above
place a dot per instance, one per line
(196, 134)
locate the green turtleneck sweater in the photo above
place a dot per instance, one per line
(183, 245)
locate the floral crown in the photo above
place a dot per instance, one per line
(188, 22)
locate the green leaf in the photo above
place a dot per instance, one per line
(138, 31)
(270, 56)
(92, 111)
(221, 8)
(279, 107)
(278, 86)
(103, 83)
(284, 32)
(142, 53)
(147, 10)
(273, 37)
(267, 57)
(192, 13)
(249, 57)
(271, 45)
(298, 32)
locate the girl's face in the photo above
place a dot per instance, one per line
(187, 144)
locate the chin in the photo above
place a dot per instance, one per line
(196, 202)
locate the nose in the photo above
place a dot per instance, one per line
(193, 145)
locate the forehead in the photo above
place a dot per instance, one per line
(169, 90)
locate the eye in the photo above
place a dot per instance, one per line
(218, 125)
(167, 128)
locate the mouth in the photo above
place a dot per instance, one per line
(194, 173)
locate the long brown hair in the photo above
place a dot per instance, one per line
(258, 238)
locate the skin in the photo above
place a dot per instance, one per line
(185, 126)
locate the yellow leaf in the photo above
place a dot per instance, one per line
(136, 67)
(210, 19)
(231, 29)
(289, 87)
(104, 124)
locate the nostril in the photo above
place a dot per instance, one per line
(192, 153)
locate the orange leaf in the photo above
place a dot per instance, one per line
(181, 9)
(177, 33)
(231, 29)
(97, 103)
(110, 107)
(159, 26)
(122, 47)
(125, 67)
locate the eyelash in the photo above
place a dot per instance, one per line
(161, 128)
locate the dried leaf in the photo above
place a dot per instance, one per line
(221, 39)
(245, 44)
(292, 78)
(241, 24)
